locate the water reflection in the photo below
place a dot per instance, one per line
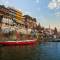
(18, 52)
(44, 51)
(50, 51)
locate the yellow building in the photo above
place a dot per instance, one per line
(19, 16)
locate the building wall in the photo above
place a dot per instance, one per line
(29, 21)
(13, 14)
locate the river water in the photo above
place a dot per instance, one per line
(43, 51)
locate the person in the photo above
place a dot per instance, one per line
(5, 32)
(33, 34)
(17, 35)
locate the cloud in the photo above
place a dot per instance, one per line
(37, 1)
(58, 0)
(27, 12)
(57, 14)
(4, 2)
(54, 4)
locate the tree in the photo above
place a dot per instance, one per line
(39, 27)
(55, 30)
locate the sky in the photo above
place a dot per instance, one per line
(47, 12)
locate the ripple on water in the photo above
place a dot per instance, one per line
(44, 51)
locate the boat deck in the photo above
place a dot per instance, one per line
(24, 42)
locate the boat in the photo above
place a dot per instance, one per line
(24, 42)
(56, 40)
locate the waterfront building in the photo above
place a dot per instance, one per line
(11, 16)
(13, 20)
(30, 22)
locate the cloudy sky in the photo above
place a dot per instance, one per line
(47, 12)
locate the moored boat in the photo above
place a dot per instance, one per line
(24, 42)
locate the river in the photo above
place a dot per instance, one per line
(43, 51)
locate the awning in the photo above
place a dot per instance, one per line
(21, 22)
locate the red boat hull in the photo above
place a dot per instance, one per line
(18, 42)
